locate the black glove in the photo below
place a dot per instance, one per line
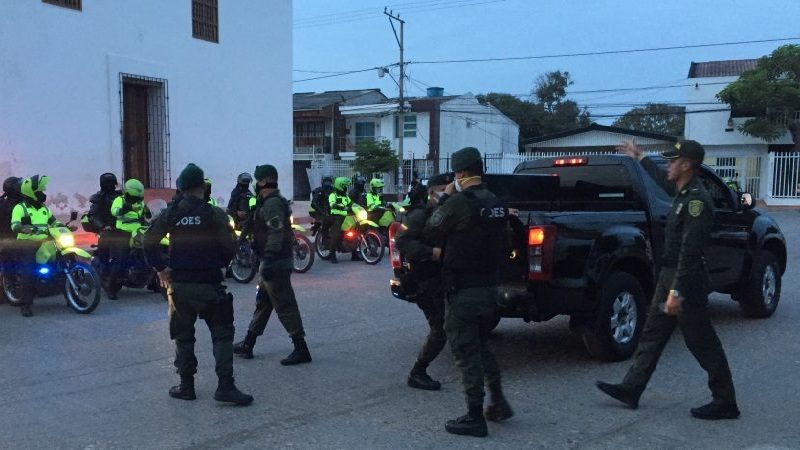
(126, 207)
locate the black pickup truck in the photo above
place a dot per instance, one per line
(587, 241)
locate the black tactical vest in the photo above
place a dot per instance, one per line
(473, 257)
(193, 237)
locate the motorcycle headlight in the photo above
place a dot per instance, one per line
(361, 215)
(231, 223)
(66, 240)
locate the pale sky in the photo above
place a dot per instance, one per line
(344, 35)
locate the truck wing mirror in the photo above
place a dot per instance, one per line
(747, 201)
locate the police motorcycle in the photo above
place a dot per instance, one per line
(302, 250)
(61, 268)
(385, 215)
(359, 234)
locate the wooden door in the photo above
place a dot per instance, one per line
(135, 133)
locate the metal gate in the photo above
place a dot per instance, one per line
(784, 171)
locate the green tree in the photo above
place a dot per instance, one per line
(375, 157)
(769, 95)
(654, 118)
(548, 111)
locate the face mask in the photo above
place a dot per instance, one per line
(40, 197)
(458, 182)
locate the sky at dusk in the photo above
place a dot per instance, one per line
(348, 35)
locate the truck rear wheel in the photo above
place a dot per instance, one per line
(759, 297)
(619, 318)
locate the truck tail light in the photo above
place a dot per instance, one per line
(394, 252)
(541, 242)
(569, 162)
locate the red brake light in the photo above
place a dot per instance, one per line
(394, 252)
(536, 236)
(569, 162)
(350, 234)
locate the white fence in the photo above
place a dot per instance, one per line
(784, 178)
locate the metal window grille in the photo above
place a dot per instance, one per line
(71, 4)
(205, 20)
(158, 151)
(785, 175)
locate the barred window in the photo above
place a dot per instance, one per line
(71, 4)
(205, 20)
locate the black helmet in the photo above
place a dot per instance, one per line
(359, 182)
(108, 181)
(244, 178)
(327, 181)
(11, 185)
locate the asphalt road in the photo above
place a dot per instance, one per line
(101, 381)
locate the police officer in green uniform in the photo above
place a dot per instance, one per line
(130, 214)
(681, 294)
(202, 243)
(273, 239)
(424, 275)
(470, 225)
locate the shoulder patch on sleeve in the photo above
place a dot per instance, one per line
(436, 219)
(696, 207)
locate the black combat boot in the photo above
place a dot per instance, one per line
(621, 393)
(26, 310)
(714, 411)
(419, 379)
(185, 390)
(227, 392)
(300, 354)
(333, 259)
(244, 348)
(472, 424)
(498, 409)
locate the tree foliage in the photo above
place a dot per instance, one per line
(375, 157)
(548, 111)
(654, 118)
(770, 94)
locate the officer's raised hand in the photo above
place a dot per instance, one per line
(631, 149)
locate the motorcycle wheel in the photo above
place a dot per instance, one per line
(370, 247)
(303, 253)
(321, 246)
(12, 288)
(82, 287)
(244, 266)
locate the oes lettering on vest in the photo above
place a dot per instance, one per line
(189, 221)
(493, 213)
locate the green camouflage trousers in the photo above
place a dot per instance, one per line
(469, 315)
(277, 294)
(187, 302)
(698, 333)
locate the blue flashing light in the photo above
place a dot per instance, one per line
(44, 270)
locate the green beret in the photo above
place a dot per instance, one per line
(464, 158)
(191, 177)
(686, 149)
(267, 170)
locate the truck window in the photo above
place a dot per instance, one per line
(606, 186)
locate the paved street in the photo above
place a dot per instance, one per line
(101, 381)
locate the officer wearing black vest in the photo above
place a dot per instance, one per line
(273, 240)
(202, 243)
(470, 226)
(100, 220)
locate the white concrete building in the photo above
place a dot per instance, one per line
(434, 126)
(142, 88)
(728, 150)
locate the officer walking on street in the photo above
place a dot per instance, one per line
(681, 294)
(471, 224)
(425, 276)
(273, 239)
(202, 243)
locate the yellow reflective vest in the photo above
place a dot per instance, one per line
(373, 201)
(340, 204)
(131, 220)
(25, 214)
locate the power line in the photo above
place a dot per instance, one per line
(605, 52)
(340, 74)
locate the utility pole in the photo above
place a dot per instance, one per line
(400, 123)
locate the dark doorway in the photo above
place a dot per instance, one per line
(145, 130)
(302, 188)
(134, 133)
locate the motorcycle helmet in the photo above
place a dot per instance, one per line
(11, 185)
(34, 187)
(108, 181)
(341, 183)
(376, 184)
(359, 182)
(134, 188)
(244, 178)
(327, 182)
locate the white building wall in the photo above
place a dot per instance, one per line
(416, 147)
(464, 122)
(229, 102)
